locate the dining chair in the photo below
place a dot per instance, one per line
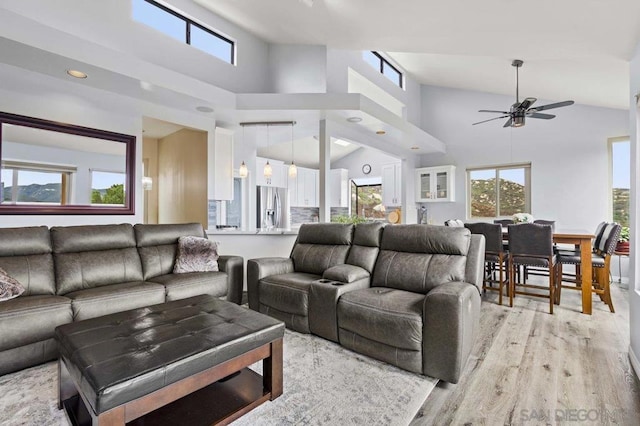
(456, 223)
(534, 270)
(494, 256)
(576, 277)
(504, 222)
(531, 244)
(605, 244)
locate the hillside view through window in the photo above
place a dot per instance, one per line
(499, 191)
(621, 180)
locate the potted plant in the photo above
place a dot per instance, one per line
(623, 240)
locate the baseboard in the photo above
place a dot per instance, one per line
(635, 364)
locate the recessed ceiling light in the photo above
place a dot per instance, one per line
(354, 119)
(380, 132)
(415, 147)
(76, 74)
(341, 142)
(202, 108)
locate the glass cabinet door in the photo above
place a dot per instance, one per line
(442, 190)
(425, 185)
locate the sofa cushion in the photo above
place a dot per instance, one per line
(25, 253)
(384, 315)
(10, 288)
(29, 319)
(325, 233)
(419, 258)
(315, 258)
(287, 292)
(158, 245)
(196, 254)
(73, 239)
(430, 239)
(181, 286)
(78, 271)
(94, 255)
(95, 302)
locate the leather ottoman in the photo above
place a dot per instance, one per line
(126, 365)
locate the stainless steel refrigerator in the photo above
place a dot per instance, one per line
(273, 208)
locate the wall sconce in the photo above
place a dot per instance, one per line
(147, 183)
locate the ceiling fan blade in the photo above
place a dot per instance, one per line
(491, 119)
(556, 105)
(526, 103)
(496, 112)
(539, 115)
(508, 123)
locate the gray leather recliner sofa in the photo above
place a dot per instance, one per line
(79, 272)
(417, 307)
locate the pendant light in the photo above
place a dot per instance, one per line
(268, 171)
(243, 171)
(293, 170)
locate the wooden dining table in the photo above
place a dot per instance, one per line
(582, 239)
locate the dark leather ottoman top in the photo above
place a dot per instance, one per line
(117, 358)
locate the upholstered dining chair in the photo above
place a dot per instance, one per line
(576, 277)
(540, 271)
(494, 256)
(605, 244)
(531, 244)
(454, 223)
(504, 222)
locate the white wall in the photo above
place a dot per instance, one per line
(297, 68)
(355, 160)
(109, 23)
(338, 63)
(568, 155)
(634, 286)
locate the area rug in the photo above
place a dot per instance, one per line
(324, 384)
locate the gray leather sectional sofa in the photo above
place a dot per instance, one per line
(79, 272)
(408, 295)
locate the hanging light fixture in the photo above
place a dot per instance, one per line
(293, 170)
(243, 171)
(268, 171)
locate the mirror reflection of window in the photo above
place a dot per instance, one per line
(230, 213)
(107, 187)
(23, 185)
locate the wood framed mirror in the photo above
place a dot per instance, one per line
(47, 167)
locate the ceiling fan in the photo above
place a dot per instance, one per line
(520, 110)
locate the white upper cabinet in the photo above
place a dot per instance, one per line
(220, 153)
(304, 188)
(435, 184)
(278, 178)
(339, 182)
(392, 184)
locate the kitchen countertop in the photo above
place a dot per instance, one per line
(276, 231)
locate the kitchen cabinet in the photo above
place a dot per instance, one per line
(220, 152)
(392, 184)
(304, 188)
(435, 184)
(339, 184)
(278, 178)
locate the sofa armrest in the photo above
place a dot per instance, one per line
(260, 268)
(345, 273)
(451, 315)
(233, 266)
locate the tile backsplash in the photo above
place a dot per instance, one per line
(301, 215)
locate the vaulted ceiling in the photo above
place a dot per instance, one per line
(573, 49)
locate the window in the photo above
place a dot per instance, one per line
(22, 184)
(366, 201)
(229, 213)
(184, 29)
(498, 191)
(620, 155)
(384, 66)
(107, 187)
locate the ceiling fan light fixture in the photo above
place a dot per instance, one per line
(517, 121)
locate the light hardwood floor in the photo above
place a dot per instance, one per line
(529, 367)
